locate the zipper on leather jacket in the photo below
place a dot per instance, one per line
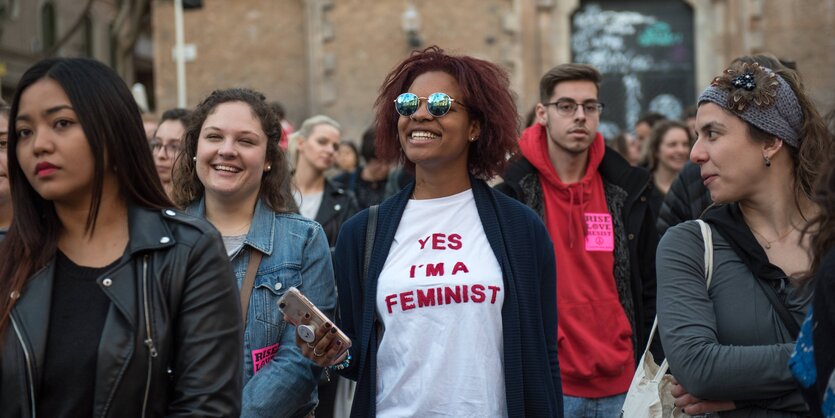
(149, 341)
(29, 374)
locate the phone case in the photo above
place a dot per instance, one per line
(295, 305)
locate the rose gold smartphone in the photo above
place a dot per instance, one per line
(294, 305)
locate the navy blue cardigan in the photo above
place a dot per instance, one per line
(529, 315)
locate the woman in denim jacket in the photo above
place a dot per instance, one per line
(233, 172)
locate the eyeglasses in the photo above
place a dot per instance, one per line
(569, 107)
(438, 104)
(170, 149)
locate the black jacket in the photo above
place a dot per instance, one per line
(171, 343)
(686, 200)
(629, 196)
(367, 193)
(338, 204)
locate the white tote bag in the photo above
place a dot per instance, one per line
(649, 394)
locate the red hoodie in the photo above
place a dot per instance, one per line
(594, 335)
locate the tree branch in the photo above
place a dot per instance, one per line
(69, 34)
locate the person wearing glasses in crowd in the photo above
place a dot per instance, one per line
(597, 210)
(233, 172)
(457, 271)
(5, 188)
(761, 144)
(165, 144)
(114, 304)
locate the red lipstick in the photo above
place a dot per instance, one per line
(44, 169)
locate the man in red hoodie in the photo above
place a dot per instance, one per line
(596, 208)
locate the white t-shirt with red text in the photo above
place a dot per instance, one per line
(440, 297)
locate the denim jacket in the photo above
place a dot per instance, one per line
(295, 253)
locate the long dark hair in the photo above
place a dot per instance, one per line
(275, 188)
(823, 226)
(112, 124)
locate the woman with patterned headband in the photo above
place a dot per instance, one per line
(454, 312)
(728, 339)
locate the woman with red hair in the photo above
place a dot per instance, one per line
(456, 271)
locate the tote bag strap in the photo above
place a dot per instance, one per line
(707, 237)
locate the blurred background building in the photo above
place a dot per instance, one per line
(116, 32)
(330, 56)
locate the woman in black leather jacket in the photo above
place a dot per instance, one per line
(118, 306)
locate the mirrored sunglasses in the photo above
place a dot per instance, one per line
(437, 104)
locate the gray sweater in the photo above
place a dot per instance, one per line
(725, 343)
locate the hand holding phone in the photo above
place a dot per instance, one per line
(318, 338)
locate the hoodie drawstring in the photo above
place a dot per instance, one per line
(571, 217)
(571, 209)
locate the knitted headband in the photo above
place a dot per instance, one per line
(760, 97)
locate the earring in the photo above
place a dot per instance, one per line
(194, 159)
(767, 161)
(269, 167)
(473, 139)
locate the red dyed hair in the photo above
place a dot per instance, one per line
(486, 90)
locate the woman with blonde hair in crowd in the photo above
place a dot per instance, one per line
(316, 142)
(233, 172)
(760, 147)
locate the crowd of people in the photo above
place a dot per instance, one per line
(478, 270)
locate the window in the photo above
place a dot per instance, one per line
(87, 36)
(48, 29)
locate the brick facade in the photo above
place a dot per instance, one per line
(330, 56)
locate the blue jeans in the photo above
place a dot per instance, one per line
(609, 407)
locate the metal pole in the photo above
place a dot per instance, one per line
(180, 53)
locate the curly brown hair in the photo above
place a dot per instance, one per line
(275, 184)
(489, 100)
(823, 239)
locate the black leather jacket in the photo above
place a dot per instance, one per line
(338, 204)
(171, 343)
(687, 199)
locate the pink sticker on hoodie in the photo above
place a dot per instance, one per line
(600, 235)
